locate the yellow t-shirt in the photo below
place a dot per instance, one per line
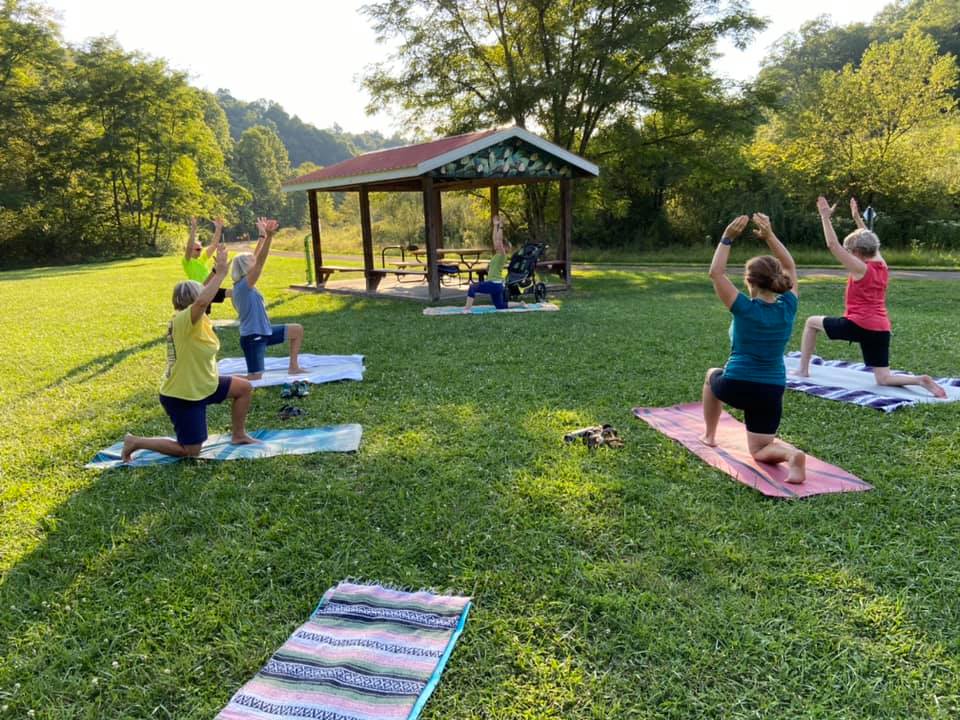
(191, 358)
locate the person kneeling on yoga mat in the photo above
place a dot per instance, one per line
(865, 320)
(754, 377)
(493, 285)
(191, 381)
(256, 332)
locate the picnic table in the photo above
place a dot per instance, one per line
(468, 257)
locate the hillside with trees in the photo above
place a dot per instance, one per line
(107, 152)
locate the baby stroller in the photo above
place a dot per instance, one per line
(522, 272)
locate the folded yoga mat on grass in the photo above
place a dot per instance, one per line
(332, 438)
(853, 382)
(684, 423)
(320, 369)
(489, 309)
(366, 653)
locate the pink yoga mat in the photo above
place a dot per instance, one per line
(684, 423)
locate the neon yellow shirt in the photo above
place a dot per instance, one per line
(495, 268)
(191, 358)
(196, 269)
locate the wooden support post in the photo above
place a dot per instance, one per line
(367, 234)
(494, 204)
(315, 234)
(433, 223)
(566, 227)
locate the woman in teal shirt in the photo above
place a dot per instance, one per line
(754, 377)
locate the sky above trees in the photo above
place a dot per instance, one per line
(309, 56)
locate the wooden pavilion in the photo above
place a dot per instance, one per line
(485, 159)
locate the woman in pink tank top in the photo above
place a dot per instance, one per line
(865, 320)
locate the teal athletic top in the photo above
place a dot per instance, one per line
(495, 268)
(759, 334)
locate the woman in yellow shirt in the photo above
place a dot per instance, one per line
(191, 381)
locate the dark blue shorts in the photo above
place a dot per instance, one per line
(255, 346)
(495, 290)
(874, 344)
(190, 416)
(762, 403)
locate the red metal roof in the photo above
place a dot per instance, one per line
(408, 156)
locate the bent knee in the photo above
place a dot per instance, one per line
(710, 372)
(814, 322)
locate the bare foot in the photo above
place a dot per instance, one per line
(296, 370)
(253, 376)
(800, 373)
(798, 469)
(712, 442)
(930, 385)
(243, 439)
(129, 446)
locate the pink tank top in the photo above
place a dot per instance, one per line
(866, 298)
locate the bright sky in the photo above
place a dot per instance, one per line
(309, 55)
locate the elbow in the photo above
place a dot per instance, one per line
(717, 273)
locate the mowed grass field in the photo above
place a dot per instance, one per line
(636, 583)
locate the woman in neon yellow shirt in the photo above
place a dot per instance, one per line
(493, 285)
(191, 381)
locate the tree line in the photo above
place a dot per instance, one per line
(106, 152)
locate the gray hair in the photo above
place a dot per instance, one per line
(185, 293)
(862, 241)
(240, 266)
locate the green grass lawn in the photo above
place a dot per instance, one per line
(616, 584)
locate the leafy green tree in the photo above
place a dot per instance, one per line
(261, 165)
(567, 66)
(147, 141)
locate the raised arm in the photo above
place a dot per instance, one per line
(217, 232)
(854, 265)
(209, 291)
(262, 251)
(188, 251)
(855, 213)
(726, 290)
(261, 234)
(765, 232)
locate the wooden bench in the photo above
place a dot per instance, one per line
(324, 272)
(377, 274)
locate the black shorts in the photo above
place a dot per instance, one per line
(218, 298)
(874, 344)
(762, 403)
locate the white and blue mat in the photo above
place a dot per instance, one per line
(853, 382)
(489, 309)
(320, 369)
(332, 438)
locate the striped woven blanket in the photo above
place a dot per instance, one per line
(367, 653)
(853, 382)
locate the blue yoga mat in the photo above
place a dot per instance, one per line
(332, 438)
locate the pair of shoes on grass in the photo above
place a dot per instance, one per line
(595, 436)
(297, 388)
(291, 411)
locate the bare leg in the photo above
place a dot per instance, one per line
(295, 336)
(470, 299)
(165, 445)
(712, 407)
(768, 449)
(241, 392)
(811, 327)
(885, 377)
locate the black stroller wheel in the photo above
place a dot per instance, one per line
(539, 292)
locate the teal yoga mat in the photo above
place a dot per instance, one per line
(332, 438)
(489, 309)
